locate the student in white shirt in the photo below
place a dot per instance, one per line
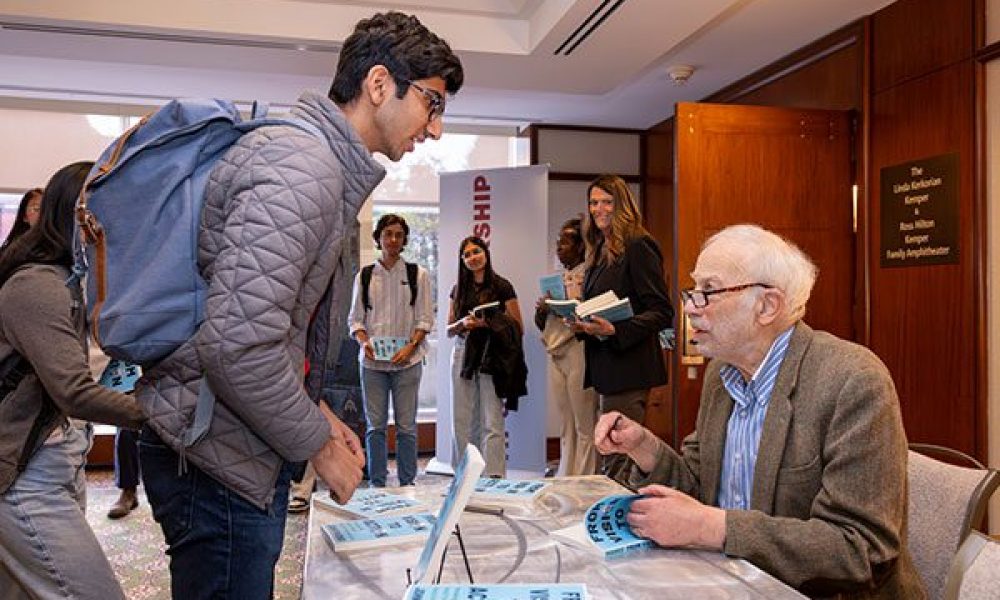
(395, 316)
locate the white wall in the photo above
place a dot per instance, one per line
(37, 143)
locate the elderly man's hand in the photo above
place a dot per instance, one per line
(617, 434)
(672, 518)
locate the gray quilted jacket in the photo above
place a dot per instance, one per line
(280, 211)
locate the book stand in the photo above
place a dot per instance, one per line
(465, 558)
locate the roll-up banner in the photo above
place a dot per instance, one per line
(509, 209)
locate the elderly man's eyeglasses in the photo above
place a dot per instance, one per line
(699, 298)
(435, 101)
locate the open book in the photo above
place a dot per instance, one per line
(604, 530)
(607, 306)
(498, 591)
(381, 531)
(369, 503)
(484, 310)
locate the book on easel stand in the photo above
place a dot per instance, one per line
(424, 587)
(466, 475)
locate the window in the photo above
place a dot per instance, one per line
(8, 212)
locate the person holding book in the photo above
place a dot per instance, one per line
(47, 549)
(623, 358)
(577, 403)
(483, 311)
(798, 462)
(392, 301)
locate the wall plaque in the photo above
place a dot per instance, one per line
(920, 212)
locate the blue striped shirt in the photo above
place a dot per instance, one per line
(750, 399)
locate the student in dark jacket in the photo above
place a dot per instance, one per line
(477, 410)
(47, 550)
(624, 359)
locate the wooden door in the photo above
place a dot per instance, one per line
(788, 170)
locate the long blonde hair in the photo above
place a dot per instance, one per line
(626, 222)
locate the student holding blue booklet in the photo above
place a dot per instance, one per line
(390, 319)
(623, 358)
(577, 403)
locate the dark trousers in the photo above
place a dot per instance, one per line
(632, 404)
(127, 458)
(220, 545)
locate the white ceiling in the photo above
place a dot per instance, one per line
(141, 52)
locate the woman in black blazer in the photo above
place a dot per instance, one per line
(623, 359)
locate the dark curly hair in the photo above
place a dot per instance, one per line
(387, 220)
(401, 44)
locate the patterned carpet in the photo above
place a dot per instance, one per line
(134, 545)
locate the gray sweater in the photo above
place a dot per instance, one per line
(44, 321)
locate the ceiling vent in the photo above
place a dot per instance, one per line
(589, 25)
(171, 37)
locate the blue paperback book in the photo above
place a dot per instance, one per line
(368, 503)
(371, 533)
(488, 488)
(498, 591)
(604, 530)
(120, 376)
(386, 347)
(553, 286)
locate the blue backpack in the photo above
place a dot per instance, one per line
(140, 214)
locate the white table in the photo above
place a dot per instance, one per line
(516, 548)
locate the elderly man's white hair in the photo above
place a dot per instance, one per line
(771, 259)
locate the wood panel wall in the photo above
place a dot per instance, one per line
(927, 321)
(658, 214)
(908, 73)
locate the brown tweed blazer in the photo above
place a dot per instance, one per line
(828, 513)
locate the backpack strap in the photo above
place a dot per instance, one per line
(13, 369)
(411, 278)
(366, 282)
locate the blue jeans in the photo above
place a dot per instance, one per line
(220, 545)
(47, 550)
(376, 387)
(477, 416)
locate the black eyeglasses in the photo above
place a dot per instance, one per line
(699, 298)
(435, 101)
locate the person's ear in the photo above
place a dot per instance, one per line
(770, 306)
(378, 84)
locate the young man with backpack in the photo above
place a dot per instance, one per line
(391, 314)
(280, 210)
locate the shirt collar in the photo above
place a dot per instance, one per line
(763, 380)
